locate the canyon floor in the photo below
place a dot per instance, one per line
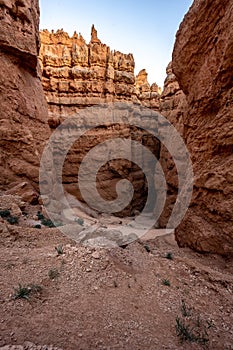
(147, 295)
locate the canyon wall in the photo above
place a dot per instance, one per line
(197, 98)
(78, 75)
(202, 64)
(172, 105)
(147, 95)
(23, 118)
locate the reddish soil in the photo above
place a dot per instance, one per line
(111, 299)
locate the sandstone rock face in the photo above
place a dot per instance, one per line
(25, 190)
(172, 106)
(106, 166)
(114, 170)
(77, 75)
(149, 96)
(172, 100)
(202, 63)
(23, 116)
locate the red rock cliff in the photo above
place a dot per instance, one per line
(77, 75)
(23, 117)
(172, 105)
(202, 63)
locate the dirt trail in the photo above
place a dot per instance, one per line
(92, 298)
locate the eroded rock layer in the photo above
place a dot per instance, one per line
(147, 95)
(78, 75)
(172, 106)
(114, 170)
(23, 118)
(202, 63)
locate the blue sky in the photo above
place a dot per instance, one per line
(145, 28)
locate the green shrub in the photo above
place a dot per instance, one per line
(5, 213)
(22, 292)
(166, 282)
(169, 256)
(47, 222)
(80, 221)
(37, 226)
(40, 215)
(184, 309)
(13, 220)
(191, 328)
(147, 248)
(59, 250)
(193, 332)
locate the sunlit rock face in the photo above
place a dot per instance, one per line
(148, 95)
(202, 64)
(23, 118)
(77, 75)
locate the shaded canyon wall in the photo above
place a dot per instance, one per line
(23, 118)
(78, 75)
(202, 64)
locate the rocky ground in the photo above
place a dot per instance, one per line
(147, 295)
